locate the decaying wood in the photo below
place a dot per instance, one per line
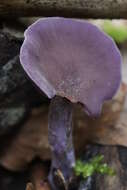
(116, 182)
(67, 8)
(115, 157)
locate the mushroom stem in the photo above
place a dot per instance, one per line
(60, 139)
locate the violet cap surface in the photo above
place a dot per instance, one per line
(72, 59)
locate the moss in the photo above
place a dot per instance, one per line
(95, 165)
(117, 32)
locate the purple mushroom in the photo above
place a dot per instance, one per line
(71, 61)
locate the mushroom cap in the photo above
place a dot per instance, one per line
(73, 59)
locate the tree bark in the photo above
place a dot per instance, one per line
(67, 8)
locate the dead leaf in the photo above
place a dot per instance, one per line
(29, 186)
(38, 176)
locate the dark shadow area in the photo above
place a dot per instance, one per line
(13, 180)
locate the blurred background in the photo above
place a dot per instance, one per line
(24, 149)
